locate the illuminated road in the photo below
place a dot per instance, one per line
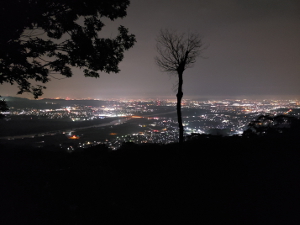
(154, 115)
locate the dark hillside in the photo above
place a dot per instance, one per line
(211, 180)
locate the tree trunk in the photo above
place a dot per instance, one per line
(179, 98)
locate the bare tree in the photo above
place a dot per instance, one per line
(176, 53)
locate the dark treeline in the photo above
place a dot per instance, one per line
(212, 179)
(45, 103)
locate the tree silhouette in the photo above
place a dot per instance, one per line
(41, 38)
(273, 125)
(176, 53)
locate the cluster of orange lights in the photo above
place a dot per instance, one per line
(74, 137)
(136, 117)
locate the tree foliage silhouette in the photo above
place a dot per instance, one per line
(40, 38)
(266, 125)
(176, 53)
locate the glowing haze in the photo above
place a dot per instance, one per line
(253, 50)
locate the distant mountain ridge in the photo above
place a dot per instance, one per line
(18, 102)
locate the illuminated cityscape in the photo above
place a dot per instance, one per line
(114, 122)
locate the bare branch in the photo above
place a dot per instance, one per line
(177, 51)
(57, 77)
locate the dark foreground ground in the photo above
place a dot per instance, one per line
(209, 181)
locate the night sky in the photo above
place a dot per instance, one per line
(253, 51)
